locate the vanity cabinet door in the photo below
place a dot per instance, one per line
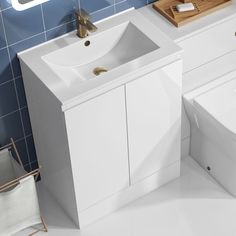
(154, 121)
(98, 147)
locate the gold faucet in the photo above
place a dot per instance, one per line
(83, 23)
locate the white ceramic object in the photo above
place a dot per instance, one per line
(21, 5)
(203, 41)
(212, 113)
(68, 57)
(84, 128)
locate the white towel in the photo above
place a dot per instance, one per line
(19, 207)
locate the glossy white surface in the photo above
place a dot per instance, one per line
(208, 45)
(193, 205)
(211, 109)
(209, 72)
(21, 5)
(98, 146)
(157, 50)
(154, 120)
(220, 104)
(109, 49)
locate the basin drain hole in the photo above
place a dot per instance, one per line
(98, 70)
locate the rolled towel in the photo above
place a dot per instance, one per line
(185, 7)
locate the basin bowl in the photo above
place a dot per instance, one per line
(104, 51)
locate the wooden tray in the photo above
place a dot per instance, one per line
(205, 7)
(180, 15)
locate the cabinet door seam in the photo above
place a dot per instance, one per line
(127, 132)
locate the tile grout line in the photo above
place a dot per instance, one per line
(32, 162)
(17, 97)
(12, 112)
(117, 4)
(20, 139)
(99, 10)
(11, 80)
(6, 82)
(60, 25)
(44, 26)
(5, 47)
(6, 8)
(114, 6)
(23, 40)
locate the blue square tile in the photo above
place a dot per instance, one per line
(106, 12)
(10, 127)
(26, 121)
(5, 4)
(138, 3)
(21, 148)
(122, 6)
(2, 35)
(34, 165)
(31, 148)
(8, 100)
(21, 92)
(58, 12)
(27, 168)
(20, 25)
(14, 49)
(93, 6)
(5, 67)
(58, 31)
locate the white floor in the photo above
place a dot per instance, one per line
(193, 205)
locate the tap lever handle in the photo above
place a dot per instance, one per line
(82, 14)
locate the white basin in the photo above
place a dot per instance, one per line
(109, 49)
(127, 45)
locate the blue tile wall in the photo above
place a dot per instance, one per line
(22, 30)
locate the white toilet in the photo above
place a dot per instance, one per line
(211, 109)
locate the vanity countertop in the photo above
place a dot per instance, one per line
(183, 32)
(76, 92)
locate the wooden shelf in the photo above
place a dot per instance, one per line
(203, 8)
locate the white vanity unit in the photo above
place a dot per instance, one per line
(209, 82)
(106, 140)
(205, 42)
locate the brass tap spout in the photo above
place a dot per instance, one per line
(83, 23)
